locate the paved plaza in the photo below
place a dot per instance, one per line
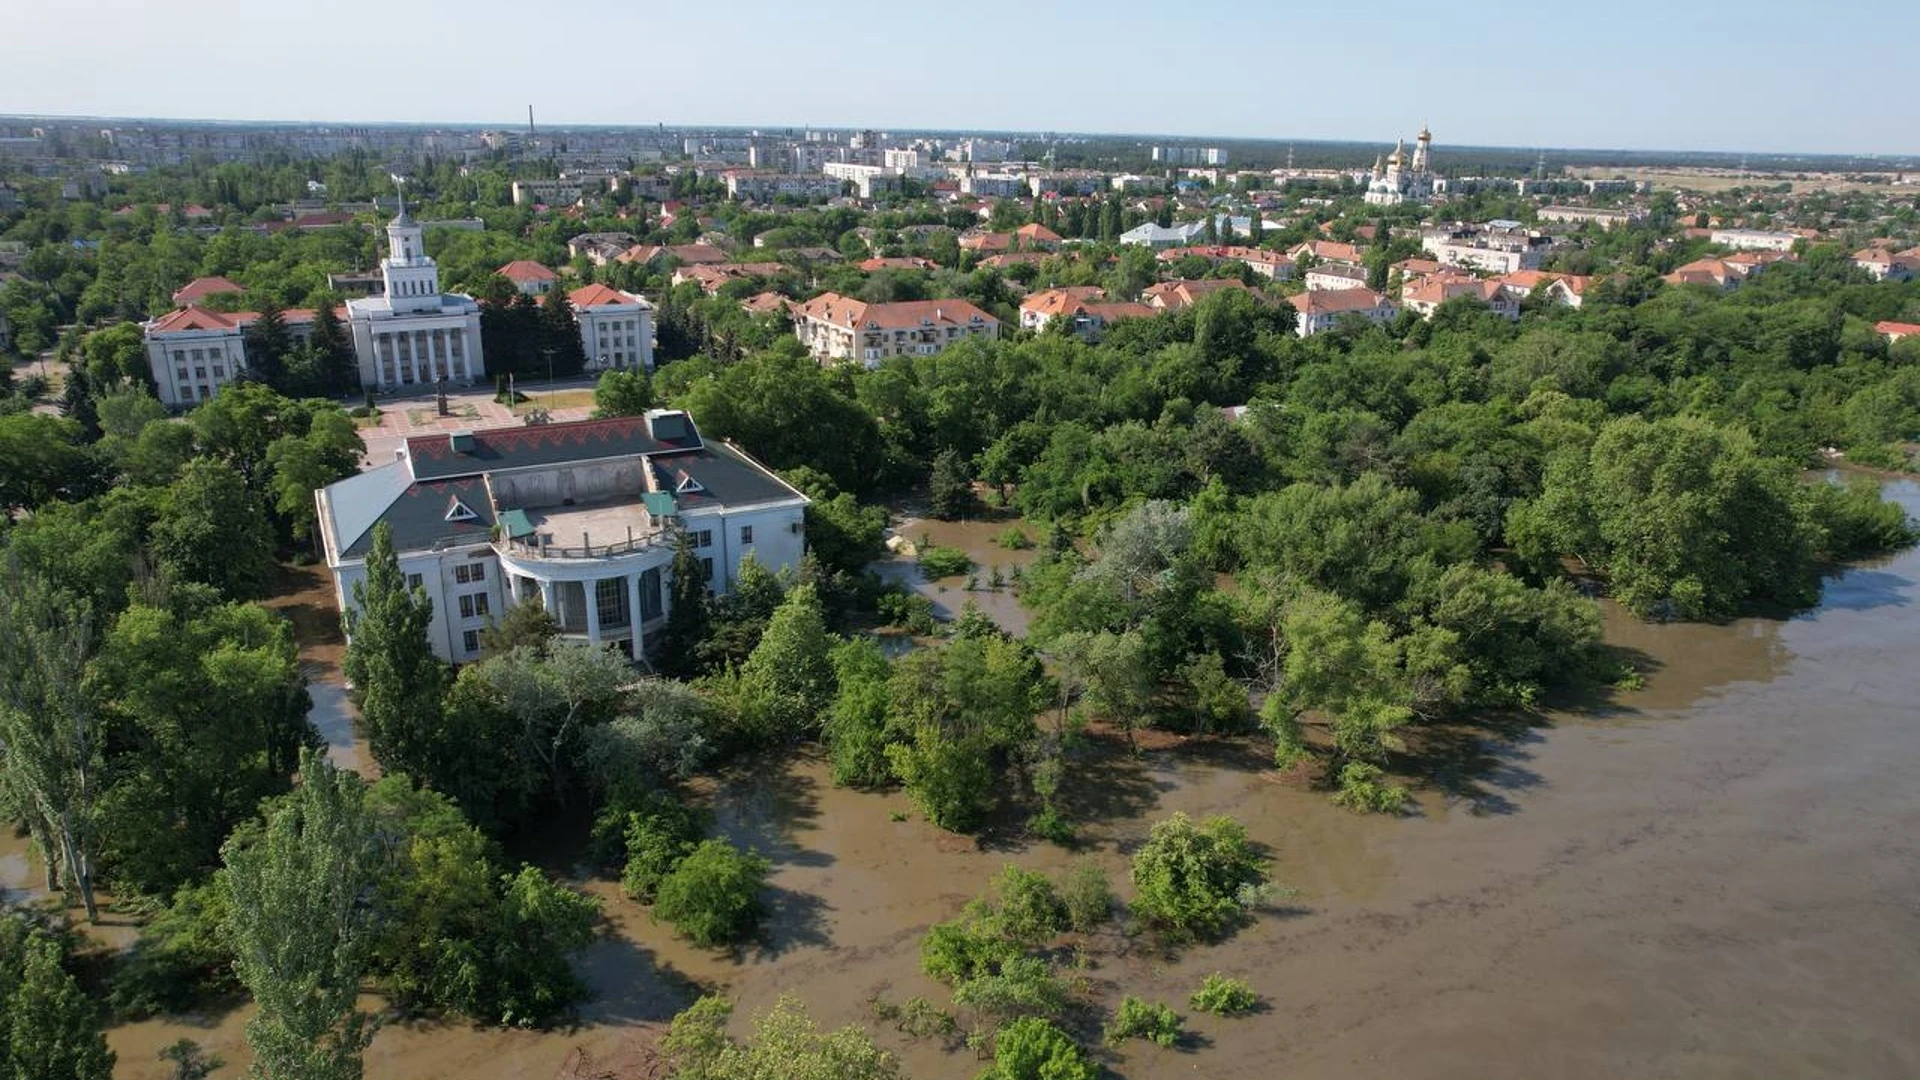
(471, 408)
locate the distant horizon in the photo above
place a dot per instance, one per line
(1033, 134)
(1669, 76)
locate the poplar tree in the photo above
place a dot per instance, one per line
(55, 1028)
(301, 926)
(397, 680)
(48, 727)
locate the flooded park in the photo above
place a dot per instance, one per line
(1710, 876)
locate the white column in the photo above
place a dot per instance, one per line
(546, 601)
(591, 590)
(415, 342)
(633, 616)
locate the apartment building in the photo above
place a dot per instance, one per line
(1589, 215)
(1499, 247)
(1319, 311)
(1754, 239)
(840, 329)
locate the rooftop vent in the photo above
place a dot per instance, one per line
(462, 442)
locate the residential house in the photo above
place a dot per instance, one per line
(683, 254)
(1522, 283)
(1569, 289)
(1271, 265)
(1326, 251)
(193, 292)
(1151, 235)
(1321, 310)
(712, 276)
(1336, 275)
(600, 248)
(1177, 295)
(1883, 264)
(1721, 274)
(1894, 331)
(906, 262)
(1425, 296)
(1041, 308)
(1037, 237)
(529, 277)
(767, 303)
(1015, 258)
(838, 328)
(584, 517)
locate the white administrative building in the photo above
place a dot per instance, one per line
(583, 517)
(415, 334)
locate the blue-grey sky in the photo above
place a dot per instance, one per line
(1761, 75)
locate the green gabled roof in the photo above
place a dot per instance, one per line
(660, 503)
(515, 523)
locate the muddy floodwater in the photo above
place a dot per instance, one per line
(1713, 877)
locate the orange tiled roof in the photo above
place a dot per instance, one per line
(598, 295)
(1061, 301)
(851, 314)
(1335, 301)
(202, 287)
(526, 270)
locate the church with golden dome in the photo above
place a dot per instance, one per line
(1397, 180)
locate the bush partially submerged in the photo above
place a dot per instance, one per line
(713, 896)
(1137, 1019)
(1196, 880)
(1223, 996)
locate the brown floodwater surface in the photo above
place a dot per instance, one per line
(1713, 877)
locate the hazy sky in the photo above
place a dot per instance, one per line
(1760, 75)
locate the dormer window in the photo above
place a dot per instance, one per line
(687, 485)
(459, 511)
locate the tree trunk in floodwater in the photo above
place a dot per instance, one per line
(78, 873)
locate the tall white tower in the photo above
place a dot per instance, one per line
(412, 279)
(1423, 151)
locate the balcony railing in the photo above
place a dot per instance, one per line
(536, 547)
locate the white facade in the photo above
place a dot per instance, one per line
(1588, 215)
(1754, 239)
(591, 535)
(616, 328)
(549, 192)
(193, 352)
(1491, 249)
(415, 334)
(190, 365)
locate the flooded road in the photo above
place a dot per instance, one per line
(1714, 877)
